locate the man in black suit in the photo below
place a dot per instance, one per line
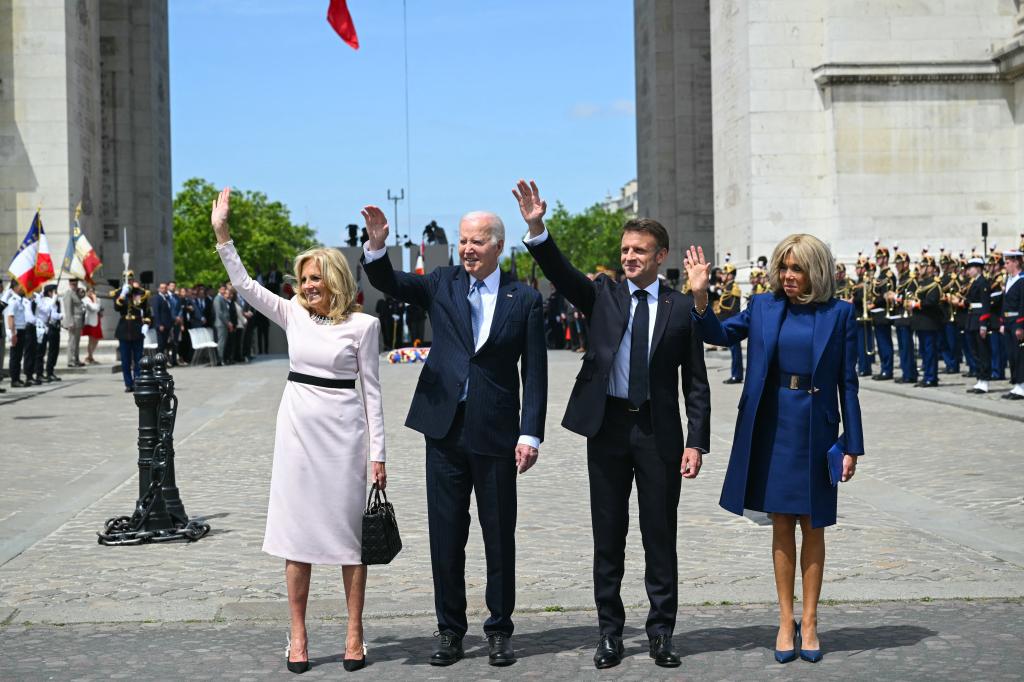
(626, 402)
(466, 404)
(1013, 322)
(163, 318)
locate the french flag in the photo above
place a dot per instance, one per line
(32, 265)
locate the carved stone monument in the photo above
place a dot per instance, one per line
(85, 117)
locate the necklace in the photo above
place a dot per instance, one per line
(320, 319)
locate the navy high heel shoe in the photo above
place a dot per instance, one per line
(810, 655)
(790, 655)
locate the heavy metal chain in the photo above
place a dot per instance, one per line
(129, 530)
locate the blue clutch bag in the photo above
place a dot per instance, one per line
(835, 462)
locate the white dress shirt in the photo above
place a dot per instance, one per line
(489, 299)
(618, 382)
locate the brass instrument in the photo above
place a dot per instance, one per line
(951, 294)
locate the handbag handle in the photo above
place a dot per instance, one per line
(375, 491)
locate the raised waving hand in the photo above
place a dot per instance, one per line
(531, 205)
(697, 270)
(376, 227)
(219, 215)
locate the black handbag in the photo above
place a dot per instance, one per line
(381, 542)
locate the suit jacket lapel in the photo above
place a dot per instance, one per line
(661, 320)
(459, 291)
(824, 324)
(772, 325)
(502, 306)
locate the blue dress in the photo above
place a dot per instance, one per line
(779, 476)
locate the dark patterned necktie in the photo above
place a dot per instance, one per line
(638, 373)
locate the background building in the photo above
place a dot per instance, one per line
(849, 119)
(627, 200)
(85, 116)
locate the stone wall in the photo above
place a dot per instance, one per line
(674, 143)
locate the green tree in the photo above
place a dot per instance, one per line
(587, 239)
(261, 229)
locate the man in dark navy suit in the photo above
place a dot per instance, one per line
(626, 402)
(485, 325)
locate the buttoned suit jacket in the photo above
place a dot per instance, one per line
(676, 355)
(493, 422)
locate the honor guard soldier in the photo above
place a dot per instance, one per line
(906, 286)
(964, 281)
(861, 300)
(881, 310)
(926, 319)
(758, 282)
(978, 323)
(132, 303)
(949, 337)
(843, 291)
(728, 305)
(1013, 322)
(996, 281)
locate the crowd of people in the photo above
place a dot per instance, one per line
(31, 330)
(966, 310)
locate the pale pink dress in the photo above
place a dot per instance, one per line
(324, 435)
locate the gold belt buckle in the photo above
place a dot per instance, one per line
(794, 382)
(633, 409)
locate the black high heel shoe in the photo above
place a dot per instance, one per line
(297, 667)
(353, 664)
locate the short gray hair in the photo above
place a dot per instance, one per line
(815, 258)
(496, 227)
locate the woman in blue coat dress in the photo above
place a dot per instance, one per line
(787, 455)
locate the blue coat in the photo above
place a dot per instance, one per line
(835, 391)
(493, 422)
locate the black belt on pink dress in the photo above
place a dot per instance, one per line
(323, 382)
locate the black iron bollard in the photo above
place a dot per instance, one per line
(167, 410)
(148, 397)
(159, 513)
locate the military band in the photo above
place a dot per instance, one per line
(966, 310)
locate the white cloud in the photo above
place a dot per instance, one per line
(617, 108)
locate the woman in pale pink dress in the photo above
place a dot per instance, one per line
(325, 430)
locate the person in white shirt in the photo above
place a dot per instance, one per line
(48, 317)
(21, 332)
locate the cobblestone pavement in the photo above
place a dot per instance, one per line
(935, 510)
(947, 640)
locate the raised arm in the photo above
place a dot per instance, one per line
(708, 327)
(569, 281)
(416, 289)
(263, 300)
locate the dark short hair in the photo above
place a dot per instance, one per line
(649, 226)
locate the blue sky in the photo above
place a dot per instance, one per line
(264, 95)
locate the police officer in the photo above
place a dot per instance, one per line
(1013, 322)
(926, 320)
(132, 303)
(728, 305)
(883, 283)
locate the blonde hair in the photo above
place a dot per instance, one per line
(814, 258)
(338, 282)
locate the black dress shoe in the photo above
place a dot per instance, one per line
(976, 391)
(968, 375)
(864, 374)
(501, 651)
(733, 380)
(129, 389)
(18, 384)
(661, 652)
(882, 377)
(1014, 396)
(448, 651)
(38, 381)
(52, 377)
(609, 652)
(929, 384)
(3, 390)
